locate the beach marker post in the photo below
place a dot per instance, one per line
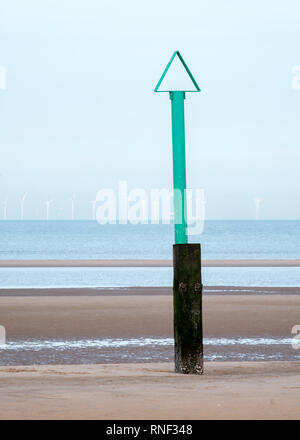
(187, 283)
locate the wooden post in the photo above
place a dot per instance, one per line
(187, 296)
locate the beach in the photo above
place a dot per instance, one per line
(125, 389)
(246, 390)
(149, 215)
(133, 312)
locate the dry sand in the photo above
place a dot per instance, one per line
(227, 390)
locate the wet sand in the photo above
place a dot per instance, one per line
(46, 319)
(137, 312)
(227, 390)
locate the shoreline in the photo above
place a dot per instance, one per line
(142, 312)
(52, 326)
(147, 263)
(143, 291)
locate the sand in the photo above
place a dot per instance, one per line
(227, 390)
(247, 390)
(126, 313)
(146, 263)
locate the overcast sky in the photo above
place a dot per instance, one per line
(78, 112)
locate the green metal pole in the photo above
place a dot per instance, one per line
(179, 169)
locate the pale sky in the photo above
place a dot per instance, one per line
(78, 112)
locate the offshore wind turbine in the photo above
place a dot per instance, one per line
(48, 203)
(22, 200)
(5, 209)
(73, 206)
(257, 202)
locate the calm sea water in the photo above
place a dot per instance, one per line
(89, 240)
(142, 277)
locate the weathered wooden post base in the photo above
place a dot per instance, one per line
(187, 296)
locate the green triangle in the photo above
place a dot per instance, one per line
(186, 69)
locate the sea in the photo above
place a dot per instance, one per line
(89, 240)
(230, 239)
